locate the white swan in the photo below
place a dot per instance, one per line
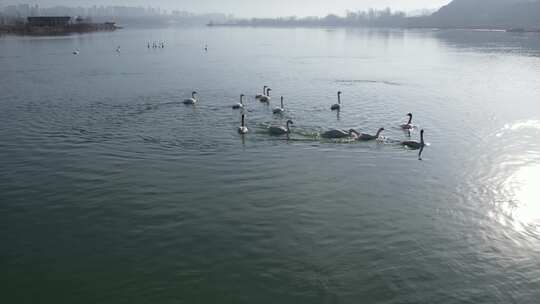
(414, 144)
(408, 125)
(279, 110)
(337, 106)
(266, 98)
(243, 129)
(363, 136)
(280, 130)
(192, 100)
(239, 105)
(258, 96)
(337, 133)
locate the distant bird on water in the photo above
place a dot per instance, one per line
(76, 52)
(243, 129)
(337, 106)
(412, 144)
(280, 130)
(363, 136)
(258, 96)
(409, 124)
(337, 133)
(266, 98)
(279, 110)
(239, 105)
(191, 101)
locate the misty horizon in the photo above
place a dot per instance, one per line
(256, 8)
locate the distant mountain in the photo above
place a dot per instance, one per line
(487, 13)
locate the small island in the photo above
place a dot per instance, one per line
(56, 25)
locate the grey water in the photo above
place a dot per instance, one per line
(113, 191)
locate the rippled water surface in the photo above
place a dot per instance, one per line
(113, 191)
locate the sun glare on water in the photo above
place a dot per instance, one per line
(524, 185)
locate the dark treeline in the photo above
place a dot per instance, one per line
(372, 17)
(494, 14)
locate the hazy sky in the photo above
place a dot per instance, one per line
(253, 7)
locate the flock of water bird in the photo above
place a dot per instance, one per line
(265, 97)
(351, 134)
(156, 44)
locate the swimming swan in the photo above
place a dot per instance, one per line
(192, 100)
(243, 129)
(363, 136)
(337, 133)
(258, 96)
(266, 98)
(280, 130)
(414, 144)
(408, 125)
(279, 110)
(239, 105)
(337, 106)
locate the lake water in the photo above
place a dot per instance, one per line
(113, 191)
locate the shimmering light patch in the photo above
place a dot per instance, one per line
(524, 186)
(527, 124)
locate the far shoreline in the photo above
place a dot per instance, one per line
(27, 30)
(479, 28)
